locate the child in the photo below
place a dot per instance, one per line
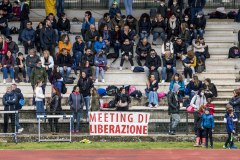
(208, 126)
(230, 118)
(39, 97)
(127, 53)
(16, 11)
(200, 139)
(210, 106)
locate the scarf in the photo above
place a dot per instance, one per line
(172, 23)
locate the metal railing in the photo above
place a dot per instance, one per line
(137, 4)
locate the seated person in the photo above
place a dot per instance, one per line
(167, 47)
(63, 24)
(106, 36)
(199, 50)
(100, 61)
(64, 61)
(132, 23)
(209, 88)
(173, 27)
(4, 24)
(88, 20)
(114, 9)
(20, 67)
(12, 46)
(8, 67)
(65, 43)
(104, 21)
(189, 63)
(100, 45)
(122, 100)
(151, 92)
(194, 86)
(176, 9)
(56, 78)
(143, 50)
(91, 36)
(7, 7)
(153, 65)
(88, 57)
(117, 21)
(127, 53)
(144, 25)
(53, 22)
(179, 48)
(31, 61)
(169, 65)
(87, 69)
(177, 78)
(116, 40)
(28, 37)
(78, 51)
(16, 11)
(186, 34)
(126, 33)
(199, 24)
(158, 28)
(47, 62)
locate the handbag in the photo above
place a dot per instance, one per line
(190, 109)
(121, 104)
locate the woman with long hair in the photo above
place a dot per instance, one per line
(65, 43)
(194, 86)
(76, 103)
(151, 91)
(144, 25)
(177, 78)
(55, 108)
(8, 66)
(47, 62)
(37, 36)
(189, 64)
(3, 47)
(169, 65)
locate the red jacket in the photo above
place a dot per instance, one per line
(4, 49)
(211, 108)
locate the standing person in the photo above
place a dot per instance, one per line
(111, 2)
(208, 126)
(230, 118)
(200, 139)
(76, 103)
(28, 37)
(8, 66)
(128, 6)
(59, 7)
(48, 39)
(9, 100)
(47, 62)
(85, 85)
(31, 61)
(20, 66)
(39, 97)
(38, 74)
(18, 106)
(24, 17)
(152, 87)
(196, 6)
(173, 108)
(235, 103)
(55, 109)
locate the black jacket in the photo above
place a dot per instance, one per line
(89, 58)
(158, 24)
(143, 49)
(153, 61)
(24, 15)
(63, 26)
(19, 94)
(180, 3)
(47, 36)
(129, 36)
(173, 103)
(235, 102)
(90, 36)
(211, 87)
(179, 48)
(13, 47)
(123, 97)
(3, 20)
(162, 10)
(171, 62)
(63, 60)
(196, 3)
(9, 101)
(199, 22)
(127, 50)
(55, 103)
(85, 86)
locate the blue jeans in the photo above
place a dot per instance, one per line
(128, 6)
(77, 58)
(77, 116)
(116, 47)
(17, 121)
(144, 35)
(101, 70)
(164, 72)
(153, 97)
(40, 108)
(194, 11)
(60, 7)
(29, 71)
(5, 72)
(65, 74)
(87, 104)
(198, 31)
(157, 34)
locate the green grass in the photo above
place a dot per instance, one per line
(104, 145)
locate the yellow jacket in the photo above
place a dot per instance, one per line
(68, 46)
(194, 62)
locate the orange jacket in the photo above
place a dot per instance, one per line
(68, 46)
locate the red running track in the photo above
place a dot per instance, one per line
(124, 154)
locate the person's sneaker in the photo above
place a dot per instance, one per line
(132, 68)
(225, 147)
(96, 81)
(120, 68)
(13, 81)
(172, 133)
(103, 81)
(77, 131)
(211, 147)
(196, 145)
(20, 130)
(234, 147)
(72, 131)
(185, 81)
(150, 105)
(17, 81)
(163, 81)
(4, 81)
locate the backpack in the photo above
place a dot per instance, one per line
(136, 94)
(69, 80)
(138, 69)
(14, 30)
(131, 89)
(102, 91)
(233, 52)
(112, 90)
(111, 104)
(64, 88)
(232, 15)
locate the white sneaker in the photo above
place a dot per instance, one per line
(120, 68)
(185, 81)
(96, 81)
(163, 81)
(4, 81)
(13, 81)
(20, 130)
(103, 81)
(132, 68)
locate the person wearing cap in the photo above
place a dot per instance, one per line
(100, 62)
(199, 23)
(114, 9)
(173, 27)
(196, 6)
(208, 126)
(173, 108)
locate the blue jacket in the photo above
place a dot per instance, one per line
(230, 125)
(28, 35)
(196, 3)
(9, 101)
(180, 83)
(99, 45)
(114, 11)
(207, 121)
(85, 25)
(78, 47)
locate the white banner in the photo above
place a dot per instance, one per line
(119, 123)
